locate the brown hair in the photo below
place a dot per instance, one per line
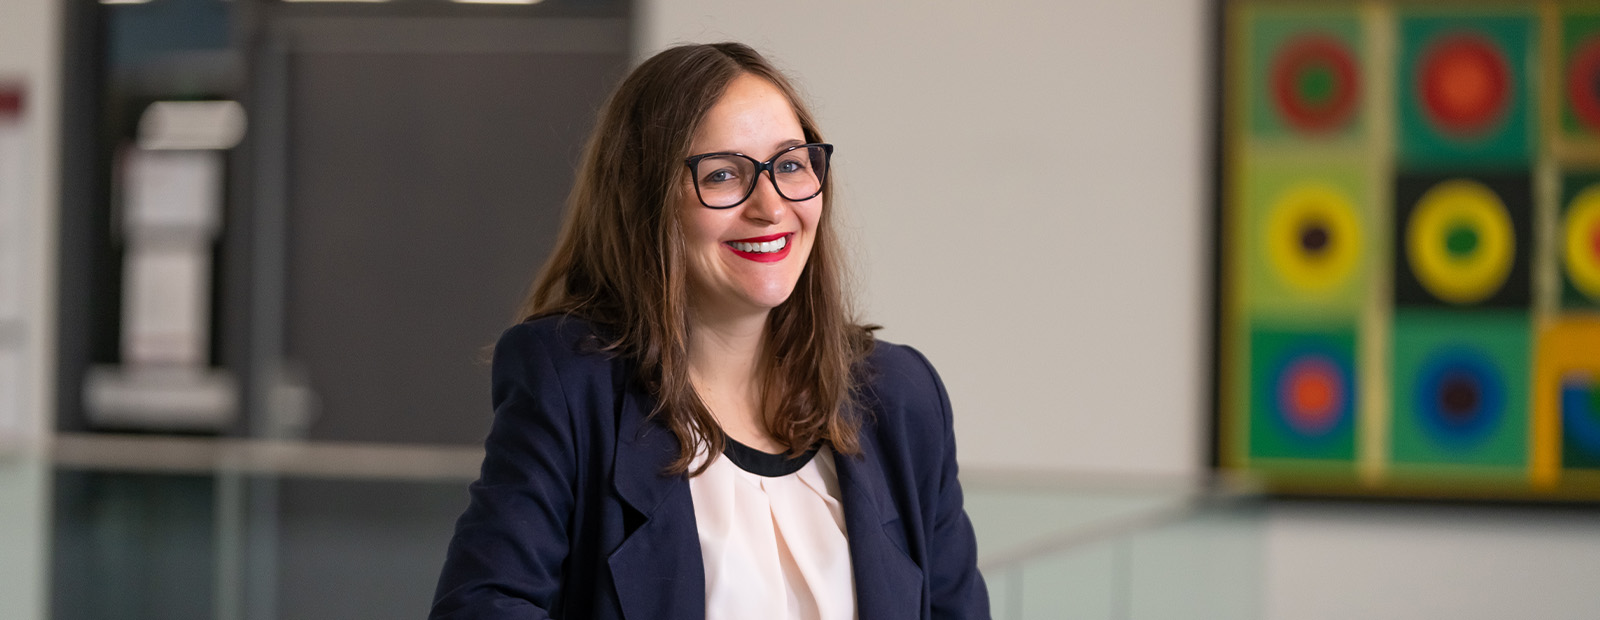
(619, 263)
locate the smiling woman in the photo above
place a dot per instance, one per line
(689, 423)
(748, 249)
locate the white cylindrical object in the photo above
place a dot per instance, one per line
(166, 305)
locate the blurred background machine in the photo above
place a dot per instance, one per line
(170, 184)
(314, 295)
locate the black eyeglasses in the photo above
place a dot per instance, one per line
(726, 180)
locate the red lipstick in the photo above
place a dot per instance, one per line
(761, 257)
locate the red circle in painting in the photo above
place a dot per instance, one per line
(1583, 83)
(1311, 395)
(1311, 53)
(1465, 83)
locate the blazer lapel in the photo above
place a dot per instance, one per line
(657, 570)
(888, 582)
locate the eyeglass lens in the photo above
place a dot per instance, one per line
(726, 180)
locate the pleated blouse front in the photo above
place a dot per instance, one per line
(772, 537)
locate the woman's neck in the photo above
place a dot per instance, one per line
(725, 368)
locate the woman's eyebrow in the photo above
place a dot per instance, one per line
(786, 144)
(775, 150)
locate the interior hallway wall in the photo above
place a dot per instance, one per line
(1026, 185)
(1023, 183)
(30, 55)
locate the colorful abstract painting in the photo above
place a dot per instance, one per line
(1409, 248)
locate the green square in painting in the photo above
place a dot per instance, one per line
(1305, 73)
(1462, 90)
(1303, 393)
(1460, 388)
(1578, 244)
(1307, 238)
(1578, 88)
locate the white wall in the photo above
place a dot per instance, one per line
(1026, 182)
(30, 56)
(1339, 562)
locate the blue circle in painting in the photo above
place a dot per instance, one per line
(1580, 419)
(1461, 396)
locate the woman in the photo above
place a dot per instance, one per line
(688, 424)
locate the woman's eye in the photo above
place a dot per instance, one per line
(719, 176)
(790, 166)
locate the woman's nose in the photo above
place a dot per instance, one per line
(765, 204)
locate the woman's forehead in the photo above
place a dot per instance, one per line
(753, 117)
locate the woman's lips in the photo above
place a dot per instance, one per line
(767, 249)
(761, 239)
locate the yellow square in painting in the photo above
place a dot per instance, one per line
(1566, 402)
(1307, 246)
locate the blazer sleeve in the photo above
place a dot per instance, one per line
(505, 558)
(956, 588)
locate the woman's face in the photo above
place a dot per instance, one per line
(746, 259)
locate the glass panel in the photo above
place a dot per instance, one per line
(362, 549)
(1108, 552)
(133, 546)
(24, 482)
(263, 530)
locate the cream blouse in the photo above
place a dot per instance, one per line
(772, 537)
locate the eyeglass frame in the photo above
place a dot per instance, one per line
(762, 166)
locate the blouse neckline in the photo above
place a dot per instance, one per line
(764, 464)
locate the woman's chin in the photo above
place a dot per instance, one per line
(764, 304)
(733, 298)
(756, 302)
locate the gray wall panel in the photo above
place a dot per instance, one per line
(425, 190)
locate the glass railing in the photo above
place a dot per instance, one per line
(1117, 548)
(169, 527)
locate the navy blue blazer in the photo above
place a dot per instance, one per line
(572, 517)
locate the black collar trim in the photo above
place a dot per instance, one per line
(764, 464)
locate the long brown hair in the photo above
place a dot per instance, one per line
(620, 263)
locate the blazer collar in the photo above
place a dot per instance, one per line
(888, 581)
(645, 447)
(657, 570)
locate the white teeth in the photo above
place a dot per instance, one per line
(765, 247)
